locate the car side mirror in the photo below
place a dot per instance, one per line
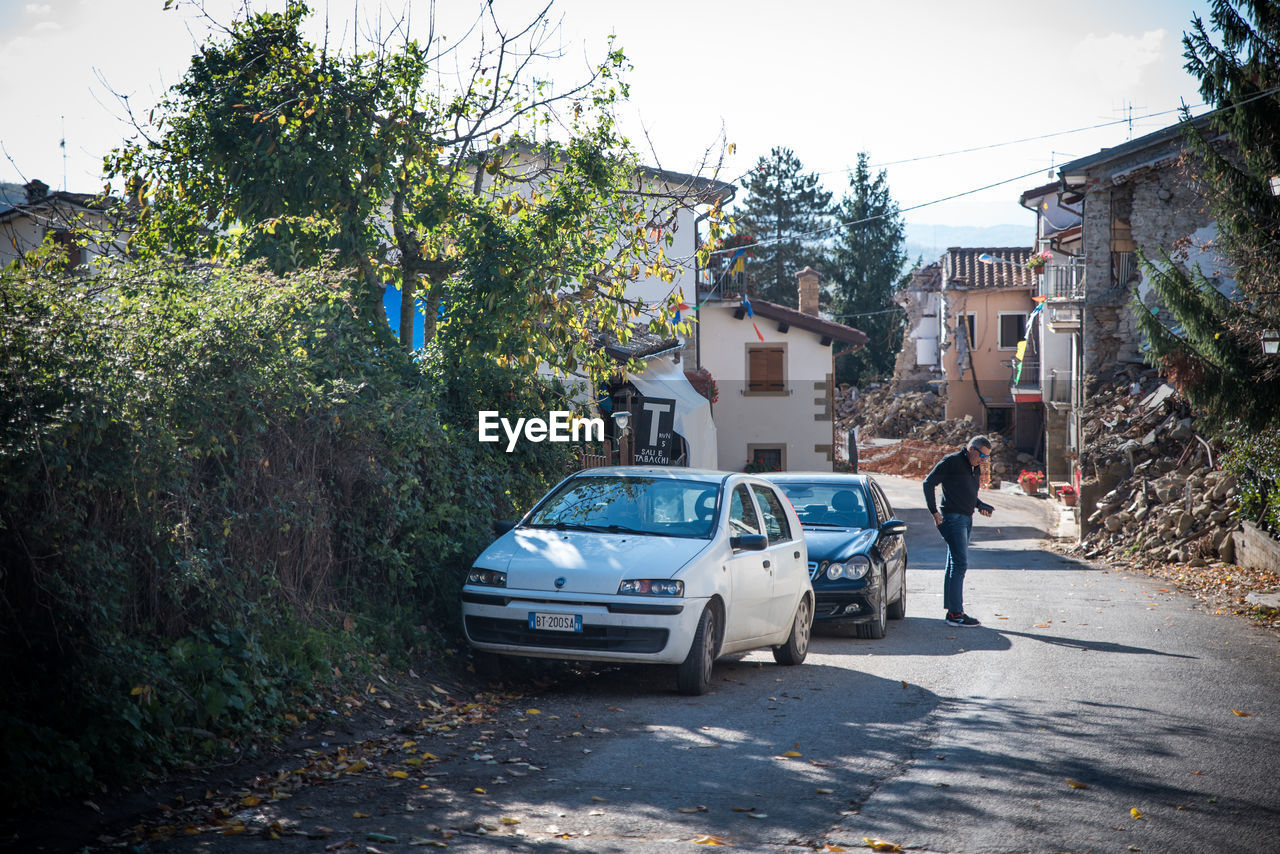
(749, 542)
(501, 526)
(894, 527)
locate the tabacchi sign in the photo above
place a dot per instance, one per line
(560, 425)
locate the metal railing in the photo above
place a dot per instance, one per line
(1063, 281)
(1029, 379)
(1124, 267)
(1060, 383)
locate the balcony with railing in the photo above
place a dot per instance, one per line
(1064, 317)
(1063, 281)
(1060, 386)
(1026, 381)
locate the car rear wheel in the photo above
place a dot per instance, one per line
(874, 628)
(693, 675)
(797, 646)
(898, 609)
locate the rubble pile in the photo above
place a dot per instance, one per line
(916, 418)
(907, 458)
(1167, 502)
(878, 412)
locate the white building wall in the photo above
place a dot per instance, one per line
(795, 420)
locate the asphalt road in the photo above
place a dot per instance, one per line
(1160, 714)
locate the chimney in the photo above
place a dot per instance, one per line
(809, 278)
(36, 190)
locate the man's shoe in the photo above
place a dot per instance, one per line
(961, 619)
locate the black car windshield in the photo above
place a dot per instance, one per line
(836, 505)
(631, 505)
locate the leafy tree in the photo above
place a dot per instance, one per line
(274, 147)
(1210, 341)
(787, 211)
(215, 488)
(866, 267)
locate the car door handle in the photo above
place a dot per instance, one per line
(766, 564)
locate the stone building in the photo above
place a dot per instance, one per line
(919, 363)
(1103, 211)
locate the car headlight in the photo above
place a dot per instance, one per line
(651, 587)
(853, 568)
(487, 577)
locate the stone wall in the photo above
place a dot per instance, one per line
(1159, 208)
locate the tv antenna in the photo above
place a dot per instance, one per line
(62, 143)
(1126, 115)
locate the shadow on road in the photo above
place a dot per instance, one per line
(1093, 646)
(913, 636)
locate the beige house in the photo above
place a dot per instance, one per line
(984, 304)
(773, 369)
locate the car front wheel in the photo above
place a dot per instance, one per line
(797, 645)
(693, 675)
(898, 609)
(874, 628)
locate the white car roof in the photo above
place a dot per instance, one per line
(669, 472)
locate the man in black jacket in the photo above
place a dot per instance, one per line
(958, 474)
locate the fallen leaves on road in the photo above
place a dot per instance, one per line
(1241, 714)
(1220, 585)
(1137, 813)
(880, 844)
(1076, 784)
(706, 839)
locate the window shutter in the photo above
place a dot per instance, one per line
(765, 368)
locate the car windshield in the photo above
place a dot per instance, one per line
(835, 505)
(631, 505)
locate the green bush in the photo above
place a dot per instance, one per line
(1253, 456)
(214, 487)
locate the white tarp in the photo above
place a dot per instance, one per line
(663, 379)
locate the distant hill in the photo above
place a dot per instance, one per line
(931, 241)
(11, 195)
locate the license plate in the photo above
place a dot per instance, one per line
(555, 622)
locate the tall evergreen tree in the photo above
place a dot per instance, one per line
(1210, 343)
(866, 267)
(785, 211)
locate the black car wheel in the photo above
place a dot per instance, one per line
(693, 675)
(898, 608)
(874, 628)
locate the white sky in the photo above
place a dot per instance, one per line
(898, 78)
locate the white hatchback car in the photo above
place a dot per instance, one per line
(633, 564)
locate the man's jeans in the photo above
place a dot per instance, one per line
(955, 529)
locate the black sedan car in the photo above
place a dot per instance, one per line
(857, 549)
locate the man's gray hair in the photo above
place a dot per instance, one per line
(979, 442)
